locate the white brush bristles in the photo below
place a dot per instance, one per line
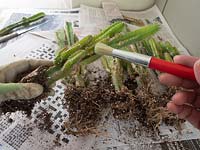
(103, 49)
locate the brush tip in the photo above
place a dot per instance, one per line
(103, 49)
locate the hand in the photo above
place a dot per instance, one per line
(186, 102)
(16, 91)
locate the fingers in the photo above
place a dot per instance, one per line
(185, 112)
(34, 63)
(9, 72)
(185, 105)
(185, 60)
(194, 118)
(172, 80)
(17, 91)
(197, 70)
(182, 98)
(31, 90)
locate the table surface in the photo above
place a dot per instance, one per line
(189, 144)
(32, 4)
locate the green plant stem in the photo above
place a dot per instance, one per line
(130, 70)
(63, 56)
(113, 66)
(107, 33)
(168, 57)
(69, 54)
(171, 49)
(60, 39)
(90, 60)
(105, 63)
(117, 77)
(9, 87)
(86, 61)
(67, 58)
(90, 49)
(138, 68)
(24, 22)
(52, 70)
(67, 67)
(112, 29)
(154, 50)
(79, 77)
(69, 33)
(135, 36)
(147, 47)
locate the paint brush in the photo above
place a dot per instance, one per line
(147, 61)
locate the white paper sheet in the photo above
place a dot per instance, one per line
(55, 20)
(23, 134)
(111, 10)
(95, 19)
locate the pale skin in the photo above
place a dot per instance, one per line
(186, 102)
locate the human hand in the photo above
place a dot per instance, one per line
(185, 103)
(16, 91)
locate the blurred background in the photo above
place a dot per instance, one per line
(54, 4)
(182, 15)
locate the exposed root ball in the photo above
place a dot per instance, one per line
(151, 110)
(36, 76)
(85, 106)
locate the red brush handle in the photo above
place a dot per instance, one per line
(172, 68)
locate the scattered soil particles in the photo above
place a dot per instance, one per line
(85, 107)
(86, 104)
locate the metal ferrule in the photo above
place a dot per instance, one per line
(141, 59)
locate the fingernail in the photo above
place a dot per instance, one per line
(168, 104)
(197, 70)
(173, 97)
(176, 57)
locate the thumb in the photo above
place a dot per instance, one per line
(197, 70)
(17, 91)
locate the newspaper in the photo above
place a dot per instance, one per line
(55, 19)
(23, 133)
(94, 18)
(111, 10)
